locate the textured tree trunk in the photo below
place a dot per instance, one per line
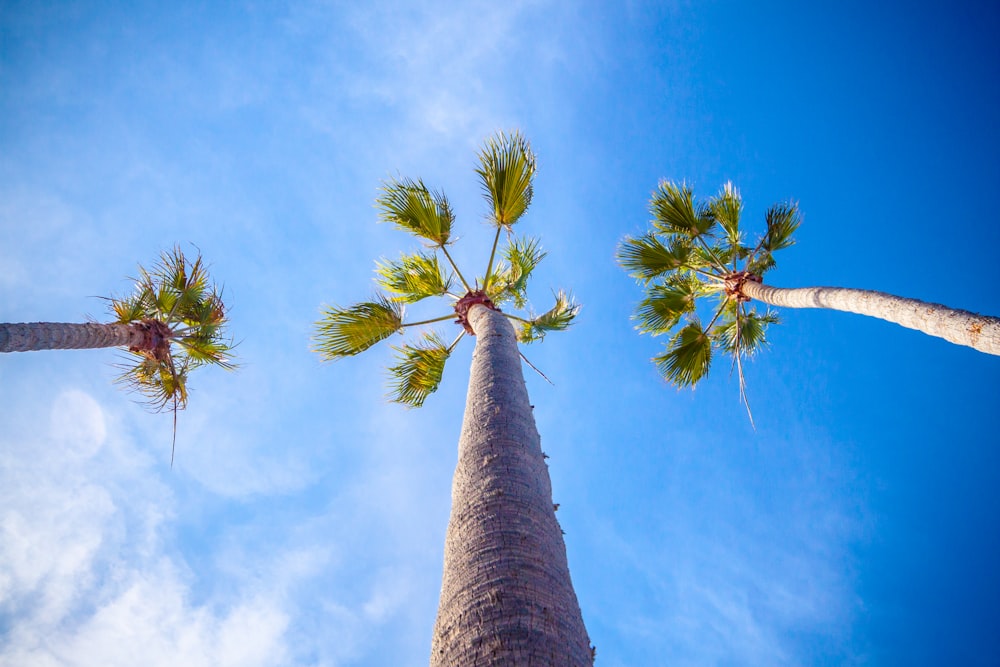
(506, 594)
(981, 332)
(33, 336)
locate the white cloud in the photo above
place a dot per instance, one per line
(83, 580)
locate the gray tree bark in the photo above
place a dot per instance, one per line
(32, 336)
(981, 332)
(506, 594)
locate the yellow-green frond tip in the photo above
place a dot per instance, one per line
(419, 370)
(344, 332)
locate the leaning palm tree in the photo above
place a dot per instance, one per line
(506, 594)
(696, 252)
(173, 322)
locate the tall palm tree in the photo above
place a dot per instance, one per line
(506, 594)
(697, 252)
(173, 322)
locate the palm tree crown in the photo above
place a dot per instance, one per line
(184, 320)
(506, 171)
(696, 252)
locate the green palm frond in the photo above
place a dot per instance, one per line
(413, 277)
(762, 262)
(782, 221)
(557, 318)
(687, 357)
(726, 208)
(133, 308)
(206, 347)
(506, 169)
(647, 257)
(419, 371)
(744, 333)
(413, 208)
(675, 211)
(344, 332)
(509, 281)
(666, 304)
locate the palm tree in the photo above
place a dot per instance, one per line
(506, 594)
(173, 322)
(696, 251)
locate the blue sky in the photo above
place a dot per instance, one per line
(303, 522)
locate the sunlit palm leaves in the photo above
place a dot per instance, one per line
(506, 171)
(344, 332)
(507, 168)
(419, 371)
(509, 281)
(184, 317)
(697, 250)
(687, 357)
(413, 277)
(412, 207)
(666, 303)
(557, 318)
(647, 257)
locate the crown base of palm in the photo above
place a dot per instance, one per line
(463, 305)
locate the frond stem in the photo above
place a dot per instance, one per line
(431, 321)
(717, 313)
(493, 252)
(455, 342)
(455, 266)
(515, 317)
(535, 368)
(718, 263)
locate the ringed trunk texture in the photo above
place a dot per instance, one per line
(506, 594)
(981, 332)
(32, 336)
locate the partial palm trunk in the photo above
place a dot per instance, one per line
(506, 594)
(981, 332)
(33, 336)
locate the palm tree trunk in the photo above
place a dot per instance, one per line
(506, 594)
(981, 332)
(33, 336)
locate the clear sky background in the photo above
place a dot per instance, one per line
(303, 522)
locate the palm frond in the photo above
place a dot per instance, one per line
(344, 332)
(646, 257)
(419, 371)
(743, 331)
(666, 303)
(506, 169)
(687, 357)
(675, 211)
(160, 382)
(760, 263)
(726, 208)
(510, 278)
(206, 347)
(557, 318)
(782, 221)
(412, 207)
(413, 277)
(133, 308)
